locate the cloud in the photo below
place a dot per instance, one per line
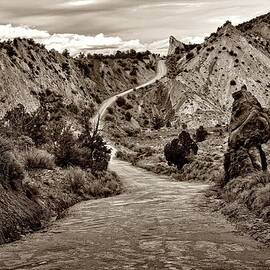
(9, 32)
(195, 39)
(144, 20)
(235, 19)
(82, 43)
(80, 3)
(174, 4)
(73, 42)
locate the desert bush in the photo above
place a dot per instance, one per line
(190, 55)
(133, 72)
(42, 126)
(128, 116)
(110, 110)
(252, 191)
(109, 118)
(30, 188)
(93, 143)
(127, 106)
(38, 159)
(120, 101)
(105, 184)
(65, 53)
(77, 178)
(24, 143)
(131, 132)
(66, 150)
(102, 184)
(130, 157)
(201, 134)
(157, 122)
(134, 81)
(66, 68)
(131, 96)
(11, 171)
(146, 151)
(85, 67)
(180, 151)
(232, 82)
(87, 151)
(10, 50)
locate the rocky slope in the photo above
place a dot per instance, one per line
(27, 69)
(257, 27)
(201, 80)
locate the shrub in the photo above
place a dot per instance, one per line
(66, 151)
(201, 134)
(109, 118)
(88, 151)
(65, 53)
(110, 110)
(10, 50)
(85, 67)
(157, 122)
(232, 82)
(134, 81)
(31, 188)
(11, 171)
(131, 132)
(189, 55)
(95, 150)
(180, 151)
(38, 159)
(133, 72)
(24, 143)
(104, 184)
(127, 106)
(76, 177)
(146, 151)
(231, 52)
(120, 101)
(128, 116)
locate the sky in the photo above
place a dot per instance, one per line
(108, 25)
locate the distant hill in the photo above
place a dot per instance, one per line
(27, 69)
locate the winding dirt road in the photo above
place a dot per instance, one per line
(161, 71)
(155, 224)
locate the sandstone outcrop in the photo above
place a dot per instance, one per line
(249, 129)
(175, 46)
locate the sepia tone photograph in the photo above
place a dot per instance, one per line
(134, 135)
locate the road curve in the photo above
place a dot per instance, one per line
(156, 224)
(161, 71)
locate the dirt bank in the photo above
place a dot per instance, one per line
(46, 195)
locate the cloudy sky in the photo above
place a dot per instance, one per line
(83, 25)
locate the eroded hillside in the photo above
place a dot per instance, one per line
(27, 69)
(202, 78)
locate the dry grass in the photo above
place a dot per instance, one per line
(252, 191)
(77, 179)
(102, 184)
(38, 159)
